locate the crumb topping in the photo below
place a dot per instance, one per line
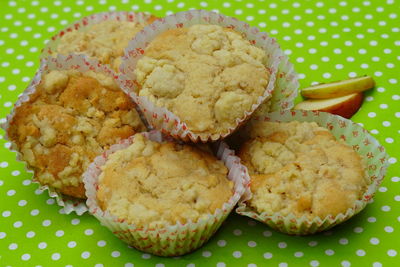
(301, 169)
(158, 184)
(207, 75)
(69, 120)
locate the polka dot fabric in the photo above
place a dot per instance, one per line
(326, 41)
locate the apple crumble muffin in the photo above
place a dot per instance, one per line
(159, 184)
(67, 122)
(301, 169)
(207, 75)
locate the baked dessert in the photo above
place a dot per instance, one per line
(104, 41)
(68, 120)
(300, 168)
(155, 185)
(207, 75)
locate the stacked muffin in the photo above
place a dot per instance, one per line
(196, 77)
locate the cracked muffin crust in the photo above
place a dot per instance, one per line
(301, 169)
(67, 122)
(207, 75)
(104, 41)
(158, 184)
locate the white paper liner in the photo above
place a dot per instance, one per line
(172, 240)
(161, 118)
(359, 139)
(81, 64)
(50, 49)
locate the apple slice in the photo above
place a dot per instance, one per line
(344, 106)
(339, 88)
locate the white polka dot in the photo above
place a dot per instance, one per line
(11, 192)
(26, 182)
(298, 254)
(352, 74)
(25, 257)
(283, 264)
(221, 243)
(30, 234)
(386, 123)
(267, 233)
(115, 254)
(395, 97)
(6, 213)
(360, 252)
(392, 161)
(59, 233)
(312, 243)
(392, 252)
(75, 221)
(268, 255)
(343, 241)
(388, 229)
(313, 66)
(374, 241)
(252, 244)
(85, 254)
(383, 106)
(22, 203)
(329, 252)
(71, 244)
(389, 140)
(397, 198)
(55, 256)
(282, 245)
(237, 232)
(346, 263)
(13, 246)
(326, 75)
(34, 212)
(382, 189)
(237, 254)
(46, 223)
(358, 229)
(314, 263)
(88, 232)
(17, 224)
(146, 256)
(350, 59)
(101, 243)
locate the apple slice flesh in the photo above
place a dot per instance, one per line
(344, 106)
(339, 88)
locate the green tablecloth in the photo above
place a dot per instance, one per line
(326, 40)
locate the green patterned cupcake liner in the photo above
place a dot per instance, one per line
(164, 120)
(78, 63)
(172, 240)
(372, 153)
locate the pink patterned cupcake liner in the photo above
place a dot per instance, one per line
(172, 240)
(354, 135)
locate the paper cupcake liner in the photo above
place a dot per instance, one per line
(286, 87)
(172, 240)
(78, 63)
(373, 154)
(163, 119)
(50, 49)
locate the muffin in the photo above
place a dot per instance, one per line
(300, 168)
(162, 197)
(209, 76)
(104, 40)
(68, 119)
(151, 184)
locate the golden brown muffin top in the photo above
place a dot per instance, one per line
(207, 75)
(104, 41)
(158, 184)
(69, 120)
(300, 168)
